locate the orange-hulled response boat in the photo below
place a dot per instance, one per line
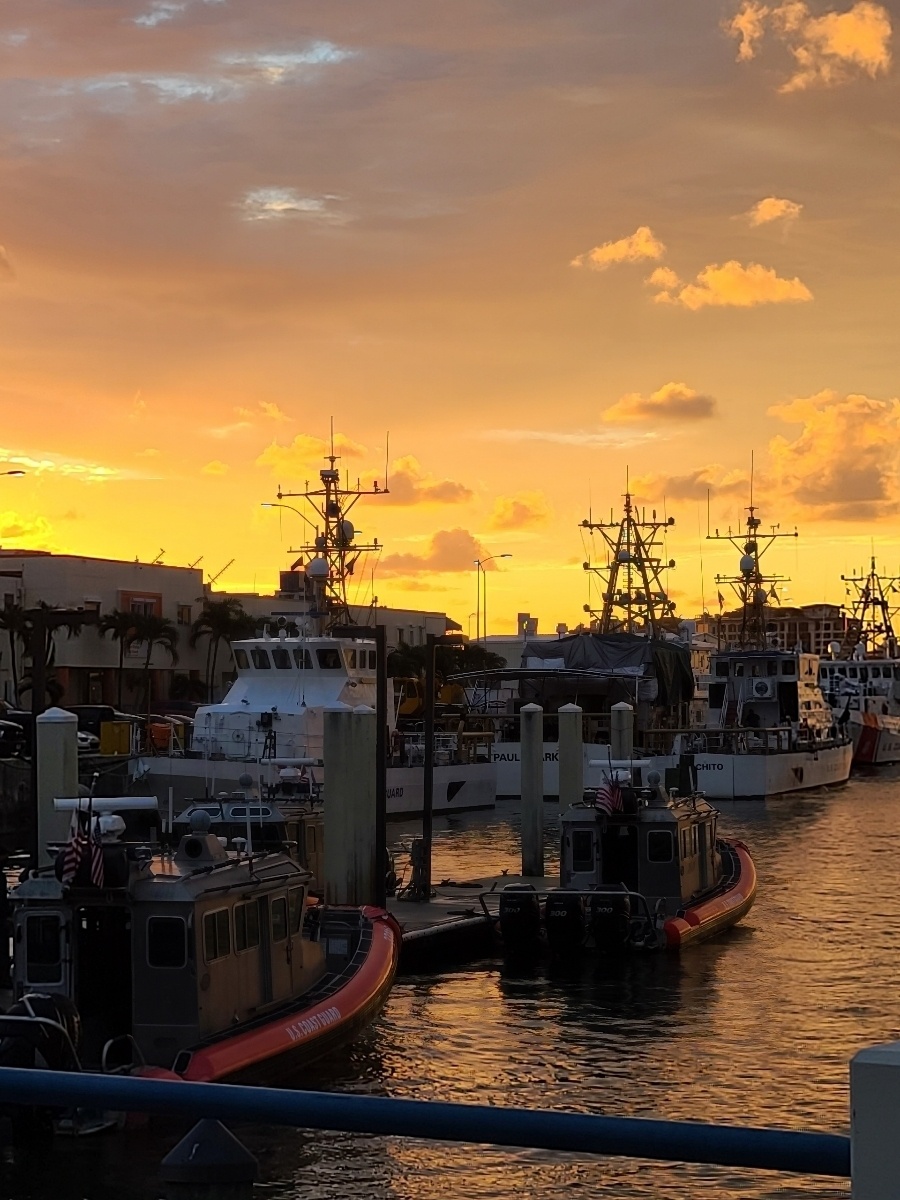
(641, 867)
(198, 961)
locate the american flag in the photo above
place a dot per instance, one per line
(75, 847)
(609, 797)
(97, 876)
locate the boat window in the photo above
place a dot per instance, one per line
(260, 658)
(246, 926)
(738, 668)
(295, 903)
(789, 667)
(329, 660)
(685, 848)
(659, 846)
(43, 948)
(756, 668)
(216, 935)
(771, 668)
(842, 671)
(166, 942)
(716, 695)
(864, 674)
(351, 658)
(721, 668)
(852, 672)
(373, 660)
(303, 660)
(582, 850)
(241, 661)
(281, 658)
(279, 919)
(694, 839)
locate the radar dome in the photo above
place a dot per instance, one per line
(748, 564)
(623, 557)
(317, 568)
(348, 533)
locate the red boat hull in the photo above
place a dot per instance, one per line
(719, 912)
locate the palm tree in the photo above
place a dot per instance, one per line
(222, 620)
(119, 626)
(152, 631)
(12, 619)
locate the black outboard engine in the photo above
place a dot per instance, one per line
(31, 1041)
(564, 921)
(520, 916)
(610, 920)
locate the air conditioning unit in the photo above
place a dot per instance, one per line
(763, 689)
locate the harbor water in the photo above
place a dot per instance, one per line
(756, 1027)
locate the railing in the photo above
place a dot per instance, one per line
(631, 1137)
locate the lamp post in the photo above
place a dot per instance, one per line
(302, 516)
(481, 578)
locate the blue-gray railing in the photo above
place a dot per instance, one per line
(633, 1137)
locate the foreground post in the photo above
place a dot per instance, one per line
(428, 777)
(571, 757)
(621, 732)
(56, 772)
(874, 1121)
(209, 1164)
(532, 742)
(350, 825)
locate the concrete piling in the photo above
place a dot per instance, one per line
(532, 742)
(350, 819)
(621, 731)
(56, 768)
(571, 756)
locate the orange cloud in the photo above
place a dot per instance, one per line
(408, 483)
(671, 402)
(305, 451)
(6, 268)
(35, 532)
(449, 550)
(827, 50)
(642, 244)
(663, 277)
(526, 510)
(692, 485)
(733, 285)
(843, 464)
(772, 208)
(215, 468)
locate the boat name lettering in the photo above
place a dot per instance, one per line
(321, 1020)
(710, 766)
(394, 793)
(549, 756)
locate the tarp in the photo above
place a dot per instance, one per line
(669, 663)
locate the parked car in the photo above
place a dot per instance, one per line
(87, 742)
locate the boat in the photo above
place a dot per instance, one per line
(642, 867)
(861, 676)
(194, 962)
(273, 714)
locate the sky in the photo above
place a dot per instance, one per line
(520, 250)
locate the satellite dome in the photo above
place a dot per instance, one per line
(623, 556)
(317, 568)
(348, 533)
(748, 564)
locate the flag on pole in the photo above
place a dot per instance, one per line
(609, 797)
(75, 848)
(721, 600)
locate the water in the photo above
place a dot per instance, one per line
(756, 1027)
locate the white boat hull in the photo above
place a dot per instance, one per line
(876, 738)
(456, 788)
(507, 758)
(754, 776)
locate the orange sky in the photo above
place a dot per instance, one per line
(539, 242)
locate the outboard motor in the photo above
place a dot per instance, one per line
(564, 920)
(520, 916)
(610, 920)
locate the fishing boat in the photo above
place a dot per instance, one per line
(195, 962)
(642, 867)
(861, 677)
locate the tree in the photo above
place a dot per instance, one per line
(450, 658)
(12, 619)
(120, 627)
(220, 621)
(152, 631)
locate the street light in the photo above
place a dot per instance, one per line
(302, 516)
(481, 579)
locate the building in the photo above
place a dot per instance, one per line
(85, 667)
(811, 627)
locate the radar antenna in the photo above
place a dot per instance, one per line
(871, 621)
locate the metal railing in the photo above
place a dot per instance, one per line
(631, 1137)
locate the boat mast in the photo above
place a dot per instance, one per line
(871, 621)
(331, 557)
(632, 582)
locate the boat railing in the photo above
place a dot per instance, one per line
(14, 1026)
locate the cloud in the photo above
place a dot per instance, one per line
(36, 532)
(158, 13)
(409, 484)
(7, 271)
(305, 451)
(671, 402)
(282, 66)
(227, 431)
(56, 464)
(843, 464)
(773, 209)
(450, 550)
(640, 245)
(693, 485)
(150, 452)
(265, 408)
(663, 277)
(585, 438)
(278, 203)
(733, 285)
(525, 510)
(828, 50)
(216, 467)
